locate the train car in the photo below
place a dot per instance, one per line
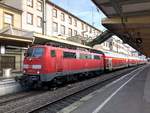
(133, 61)
(44, 63)
(142, 60)
(115, 61)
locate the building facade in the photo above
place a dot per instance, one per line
(57, 21)
(115, 44)
(11, 36)
(66, 24)
(31, 13)
(9, 16)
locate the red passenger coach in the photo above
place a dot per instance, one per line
(45, 63)
(115, 61)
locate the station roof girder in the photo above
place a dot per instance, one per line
(128, 19)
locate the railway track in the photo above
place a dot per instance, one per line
(15, 97)
(49, 99)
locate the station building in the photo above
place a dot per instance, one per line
(116, 45)
(11, 37)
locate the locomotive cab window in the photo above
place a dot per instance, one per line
(96, 57)
(35, 52)
(69, 55)
(53, 53)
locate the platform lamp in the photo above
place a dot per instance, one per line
(2, 49)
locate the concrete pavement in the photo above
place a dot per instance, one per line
(128, 94)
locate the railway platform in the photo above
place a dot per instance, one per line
(9, 85)
(128, 94)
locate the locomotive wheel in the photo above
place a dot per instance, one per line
(56, 82)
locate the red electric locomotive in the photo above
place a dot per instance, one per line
(45, 63)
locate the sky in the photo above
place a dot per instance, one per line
(84, 9)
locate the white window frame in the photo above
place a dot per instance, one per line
(63, 29)
(30, 3)
(8, 18)
(62, 17)
(55, 13)
(70, 32)
(39, 5)
(75, 32)
(55, 28)
(39, 21)
(28, 18)
(75, 22)
(70, 19)
(82, 25)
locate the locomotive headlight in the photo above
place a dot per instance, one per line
(24, 71)
(25, 66)
(38, 72)
(36, 66)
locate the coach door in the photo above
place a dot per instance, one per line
(110, 63)
(59, 66)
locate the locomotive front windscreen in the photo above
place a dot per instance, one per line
(35, 52)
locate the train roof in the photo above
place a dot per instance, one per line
(71, 50)
(42, 39)
(113, 54)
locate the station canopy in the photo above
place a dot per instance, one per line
(129, 20)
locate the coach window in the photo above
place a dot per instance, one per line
(53, 53)
(82, 56)
(69, 55)
(96, 57)
(37, 52)
(89, 56)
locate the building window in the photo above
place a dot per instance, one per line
(8, 18)
(86, 28)
(90, 30)
(62, 29)
(86, 36)
(94, 31)
(75, 22)
(70, 20)
(55, 27)
(30, 3)
(55, 13)
(82, 26)
(62, 17)
(82, 34)
(70, 32)
(75, 32)
(29, 18)
(39, 5)
(39, 21)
